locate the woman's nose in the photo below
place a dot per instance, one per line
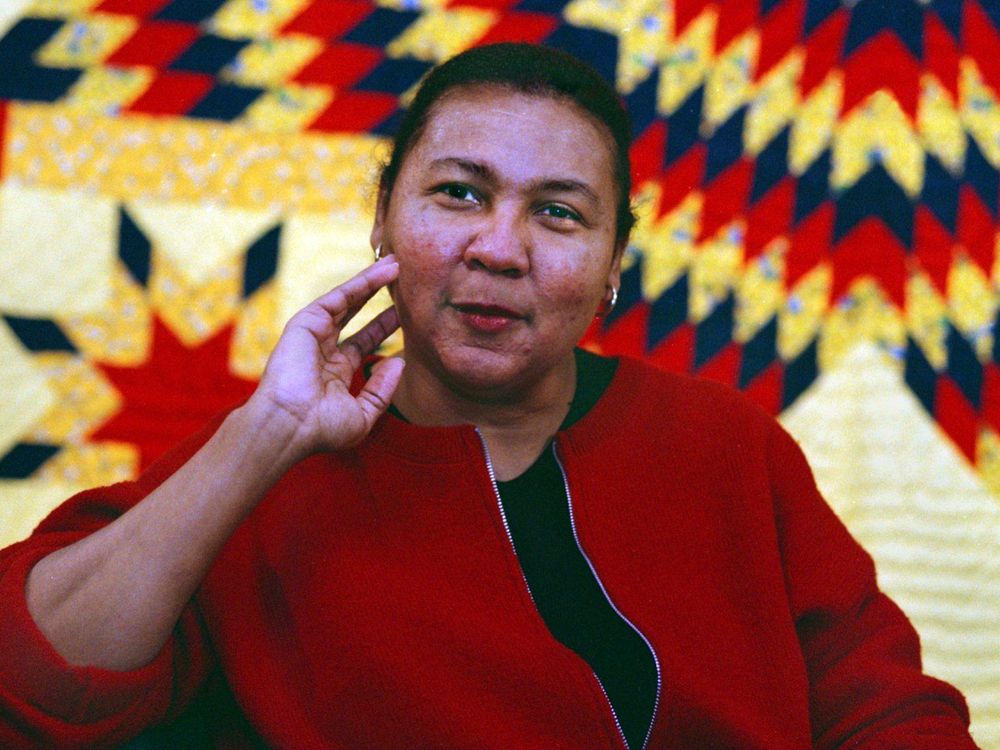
(501, 245)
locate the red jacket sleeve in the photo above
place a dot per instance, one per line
(47, 703)
(867, 690)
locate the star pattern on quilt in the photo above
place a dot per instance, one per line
(162, 357)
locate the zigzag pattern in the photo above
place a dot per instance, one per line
(876, 162)
(324, 65)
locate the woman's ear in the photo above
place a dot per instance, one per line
(615, 272)
(381, 206)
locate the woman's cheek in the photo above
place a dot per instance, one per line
(425, 269)
(573, 282)
(422, 281)
(426, 243)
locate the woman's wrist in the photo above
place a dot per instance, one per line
(268, 432)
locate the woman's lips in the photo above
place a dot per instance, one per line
(487, 318)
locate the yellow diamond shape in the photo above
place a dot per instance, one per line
(730, 80)
(86, 41)
(940, 125)
(980, 110)
(288, 109)
(668, 245)
(271, 62)
(814, 123)
(254, 18)
(439, 34)
(927, 319)
(687, 61)
(773, 104)
(26, 395)
(715, 269)
(878, 132)
(103, 90)
(973, 305)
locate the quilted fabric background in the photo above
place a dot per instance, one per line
(819, 187)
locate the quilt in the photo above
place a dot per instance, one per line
(818, 185)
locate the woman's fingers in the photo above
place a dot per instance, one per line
(377, 393)
(343, 301)
(367, 339)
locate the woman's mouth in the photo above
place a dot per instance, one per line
(487, 318)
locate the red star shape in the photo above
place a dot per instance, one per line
(173, 393)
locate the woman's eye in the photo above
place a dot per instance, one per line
(561, 212)
(458, 192)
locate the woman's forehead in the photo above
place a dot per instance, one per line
(518, 135)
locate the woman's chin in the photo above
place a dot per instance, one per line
(486, 374)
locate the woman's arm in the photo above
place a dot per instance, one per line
(111, 599)
(862, 655)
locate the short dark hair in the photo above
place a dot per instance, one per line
(530, 69)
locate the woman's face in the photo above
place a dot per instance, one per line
(502, 219)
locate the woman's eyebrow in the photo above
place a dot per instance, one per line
(563, 185)
(473, 168)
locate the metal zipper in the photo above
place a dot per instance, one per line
(503, 515)
(600, 583)
(614, 714)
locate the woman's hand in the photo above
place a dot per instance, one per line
(306, 383)
(112, 599)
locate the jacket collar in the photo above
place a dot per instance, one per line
(617, 408)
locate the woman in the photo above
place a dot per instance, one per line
(537, 548)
